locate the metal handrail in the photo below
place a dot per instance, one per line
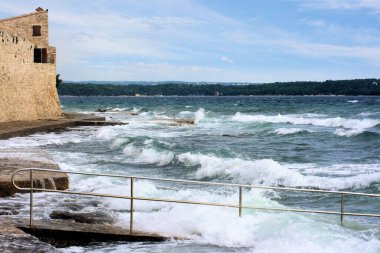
(240, 205)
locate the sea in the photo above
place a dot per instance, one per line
(311, 142)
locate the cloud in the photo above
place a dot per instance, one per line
(314, 22)
(330, 50)
(343, 4)
(226, 59)
(187, 40)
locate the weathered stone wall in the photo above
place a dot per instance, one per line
(27, 89)
(22, 26)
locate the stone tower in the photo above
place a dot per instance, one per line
(27, 69)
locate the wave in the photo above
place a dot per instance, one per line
(353, 126)
(148, 155)
(199, 115)
(348, 133)
(271, 173)
(353, 101)
(259, 231)
(285, 131)
(118, 109)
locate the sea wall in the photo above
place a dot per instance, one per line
(27, 89)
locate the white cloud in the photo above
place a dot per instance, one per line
(330, 50)
(314, 22)
(226, 59)
(344, 4)
(184, 40)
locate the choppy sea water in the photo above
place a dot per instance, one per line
(330, 143)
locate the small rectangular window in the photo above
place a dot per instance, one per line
(37, 55)
(36, 30)
(44, 55)
(40, 55)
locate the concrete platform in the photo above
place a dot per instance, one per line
(24, 128)
(66, 233)
(12, 159)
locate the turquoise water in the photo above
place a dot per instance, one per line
(330, 143)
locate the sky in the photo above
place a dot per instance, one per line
(211, 40)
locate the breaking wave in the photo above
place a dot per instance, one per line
(346, 127)
(271, 173)
(148, 155)
(285, 131)
(199, 115)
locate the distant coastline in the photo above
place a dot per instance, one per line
(339, 87)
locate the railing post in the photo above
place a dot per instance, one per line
(31, 198)
(131, 209)
(240, 201)
(341, 207)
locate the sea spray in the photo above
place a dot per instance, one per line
(199, 115)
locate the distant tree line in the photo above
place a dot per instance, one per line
(329, 87)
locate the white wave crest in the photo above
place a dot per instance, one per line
(357, 125)
(285, 131)
(148, 155)
(106, 133)
(199, 115)
(271, 173)
(353, 101)
(348, 133)
(118, 109)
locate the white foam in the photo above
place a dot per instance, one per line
(199, 115)
(118, 142)
(348, 133)
(353, 101)
(258, 231)
(285, 131)
(118, 109)
(106, 133)
(148, 155)
(135, 109)
(255, 231)
(358, 125)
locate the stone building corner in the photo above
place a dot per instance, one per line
(27, 69)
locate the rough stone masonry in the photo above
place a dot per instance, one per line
(27, 69)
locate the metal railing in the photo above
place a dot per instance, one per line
(239, 205)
